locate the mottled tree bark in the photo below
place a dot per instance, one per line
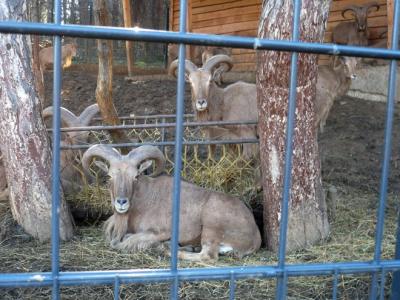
(308, 221)
(103, 17)
(35, 54)
(23, 137)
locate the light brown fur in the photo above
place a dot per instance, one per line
(236, 102)
(354, 32)
(333, 82)
(46, 59)
(71, 176)
(207, 218)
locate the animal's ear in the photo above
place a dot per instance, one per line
(144, 166)
(102, 165)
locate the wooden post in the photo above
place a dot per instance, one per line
(189, 48)
(129, 44)
(171, 15)
(390, 12)
(103, 17)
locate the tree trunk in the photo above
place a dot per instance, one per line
(64, 11)
(23, 137)
(127, 14)
(50, 7)
(103, 17)
(308, 221)
(35, 55)
(84, 12)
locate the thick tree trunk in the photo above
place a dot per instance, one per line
(308, 221)
(35, 55)
(103, 17)
(23, 138)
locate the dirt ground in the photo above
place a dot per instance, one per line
(351, 144)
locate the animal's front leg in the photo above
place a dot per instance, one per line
(140, 241)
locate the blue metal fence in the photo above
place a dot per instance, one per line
(282, 271)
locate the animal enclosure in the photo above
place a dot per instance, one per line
(340, 267)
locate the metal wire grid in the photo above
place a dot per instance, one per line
(377, 267)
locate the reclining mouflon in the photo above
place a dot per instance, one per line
(143, 208)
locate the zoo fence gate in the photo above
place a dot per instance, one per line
(282, 271)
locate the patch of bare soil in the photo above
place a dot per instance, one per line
(352, 145)
(139, 98)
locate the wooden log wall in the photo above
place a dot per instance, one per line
(240, 17)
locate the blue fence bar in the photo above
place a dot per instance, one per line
(282, 281)
(148, 35)
(117, 286)
(180, 107)
(193, 274)
(335, 285)
(232, 287)
(387, 151)
(55, 208)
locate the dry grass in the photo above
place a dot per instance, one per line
(352, 239)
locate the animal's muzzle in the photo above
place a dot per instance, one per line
(201, 104)
(121, 205)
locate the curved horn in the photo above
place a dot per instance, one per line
(216, 60)
(67, 116)
(189, 67)
(105, 152)
(146, 152)
(353, 8)
(88, 114)
(371, 5)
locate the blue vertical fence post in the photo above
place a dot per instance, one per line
(396, 276)
(282, 280)
(55, 208)
(386, 153)
(178, 154)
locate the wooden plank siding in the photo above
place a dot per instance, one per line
(240, 17)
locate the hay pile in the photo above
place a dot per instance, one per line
(352, 239)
